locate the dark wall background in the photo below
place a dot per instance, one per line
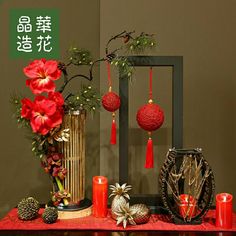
(203, 32)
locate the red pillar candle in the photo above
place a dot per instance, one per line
(100, 196)
(224, 210)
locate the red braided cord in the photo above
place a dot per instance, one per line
(150, 83)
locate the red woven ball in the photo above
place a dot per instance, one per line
(111, 101)
(150, 117)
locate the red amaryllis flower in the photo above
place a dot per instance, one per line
(41, 74)
(45, 115)
(27, 106)
(56, 97)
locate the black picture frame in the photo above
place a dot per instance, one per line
(176, 62)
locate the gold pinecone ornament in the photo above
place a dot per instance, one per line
(121, 197)
(50, 215)
(136, 214)
(28, 208)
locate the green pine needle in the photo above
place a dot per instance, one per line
(124, 66)
(79, 56)
(141, 43)
(15, 101)
(87, 98)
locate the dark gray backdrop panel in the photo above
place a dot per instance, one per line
(176, 62)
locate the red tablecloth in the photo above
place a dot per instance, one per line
(157, 222)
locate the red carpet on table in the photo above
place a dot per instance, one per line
(157, 222)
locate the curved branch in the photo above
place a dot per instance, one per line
(113, 38)
(65, 81)
(80, 75)
(68, 80)
(69, 63)
(68, 96)
(123, 34)
(92, 65)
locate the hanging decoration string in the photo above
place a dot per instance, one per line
(150, 117)
(149, 163)
(150, 84)
(109, 75)
(111, 102)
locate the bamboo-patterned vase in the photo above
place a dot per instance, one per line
(74, 155)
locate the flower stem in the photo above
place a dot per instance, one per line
(60, 186)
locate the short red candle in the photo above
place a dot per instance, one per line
(224, 210)
(187, 206)
(100, 196)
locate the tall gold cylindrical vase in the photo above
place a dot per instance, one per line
(74, 155)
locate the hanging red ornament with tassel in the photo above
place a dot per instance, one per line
(150, 117)
(111, 102)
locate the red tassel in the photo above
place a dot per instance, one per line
(149, 154)
(113, 131)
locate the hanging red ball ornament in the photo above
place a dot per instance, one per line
(150, 117)
(111, 101)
